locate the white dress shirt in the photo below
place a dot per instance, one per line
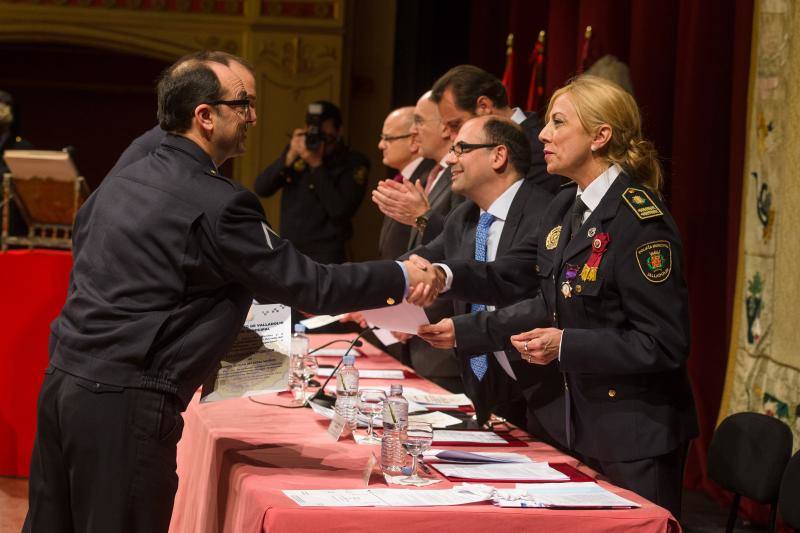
(409, 169)
(518, 116)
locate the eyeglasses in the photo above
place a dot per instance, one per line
(390, 138)
(461, 148)
(243, 104)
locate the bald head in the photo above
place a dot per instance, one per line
(397, 144)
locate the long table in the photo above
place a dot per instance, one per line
(236, 457)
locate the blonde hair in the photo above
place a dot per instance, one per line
(598, 101)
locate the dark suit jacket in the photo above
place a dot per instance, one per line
(393, 240)
(497, 392)
(168, 255)
(538, 171)
(442, 201)
(626, 333)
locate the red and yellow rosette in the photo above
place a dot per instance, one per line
(599, 246)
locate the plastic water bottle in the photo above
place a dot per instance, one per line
(395, 422)
(298, 350)
(347, 391)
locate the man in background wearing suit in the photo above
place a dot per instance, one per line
(489, 159)
(401, 152)
(423, 207)
(467, 91)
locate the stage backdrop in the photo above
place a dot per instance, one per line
(764, 367)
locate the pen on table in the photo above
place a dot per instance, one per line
(422, 465)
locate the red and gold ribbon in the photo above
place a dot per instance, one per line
(599, 246)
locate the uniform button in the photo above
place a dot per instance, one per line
(311, 186)
(578, 289)
(612, 393)
(390, 301)
(554, 317)
(96, 385)
(213, 172)
(538, 269)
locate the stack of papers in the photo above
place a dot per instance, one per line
(530, 471)
(455, 456)
(368, 373)
(318, 321)
(434, 401)
(472, 437)
(585, 495)
(385, 497)
(335, 352)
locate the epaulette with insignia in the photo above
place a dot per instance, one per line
(641, 204)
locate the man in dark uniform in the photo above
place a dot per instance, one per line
(149, 141)
(168, 256)
(466, 91)
(323, 182)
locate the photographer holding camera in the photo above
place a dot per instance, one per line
(323, 183)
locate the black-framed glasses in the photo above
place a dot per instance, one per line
(390, 138)
(461, 147)
(242, 103)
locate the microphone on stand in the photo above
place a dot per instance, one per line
(357, 344)
(327, 400)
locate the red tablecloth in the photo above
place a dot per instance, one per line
(34, 286)
(237, 456)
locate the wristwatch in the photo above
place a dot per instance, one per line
(421, 223)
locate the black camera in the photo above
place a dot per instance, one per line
(314, 123)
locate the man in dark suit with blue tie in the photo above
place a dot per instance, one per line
(488, 161)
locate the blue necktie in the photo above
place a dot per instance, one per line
(480, 363)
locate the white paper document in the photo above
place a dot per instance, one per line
(439, 400)
(458, 456)
(576, 495)
(477, 437)
(318, 321)
(385, 336)
(403, 317)
(502, 471)
(258, 361)
(368, 373)
(384, 497)
(335, 352)
(437, 419)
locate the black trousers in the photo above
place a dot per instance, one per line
(659, 479)
(103, 458)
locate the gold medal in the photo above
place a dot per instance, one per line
(566, 289)
(552, 238)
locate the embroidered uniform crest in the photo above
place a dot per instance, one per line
(655, 260)
(552, 238)
(641, 203)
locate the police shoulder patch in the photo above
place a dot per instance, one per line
(641, 203)
(655, 260)
(360, 174)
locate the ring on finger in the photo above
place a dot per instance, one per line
(525, 347)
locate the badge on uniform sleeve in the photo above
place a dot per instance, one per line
(360, 174)
(655, 260)
(641, 203)
(552, 238)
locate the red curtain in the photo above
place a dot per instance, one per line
(689, 65)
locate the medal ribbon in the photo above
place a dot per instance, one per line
(599, 245)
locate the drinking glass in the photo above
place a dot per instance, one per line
(370, 403)
(310, 367)
(417, 439)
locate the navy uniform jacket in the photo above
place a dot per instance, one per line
(394, 236)
(497, 392)
(168, 256)
(538, 171)
(143, 145)
(317, 206)
(626, 333)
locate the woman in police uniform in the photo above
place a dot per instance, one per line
(609, 263)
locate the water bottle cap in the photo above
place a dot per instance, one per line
(396, 389)
(299, 328)
(349, 360)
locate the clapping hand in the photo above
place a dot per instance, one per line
(539, 346)
(403, 202)
(439, 335)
